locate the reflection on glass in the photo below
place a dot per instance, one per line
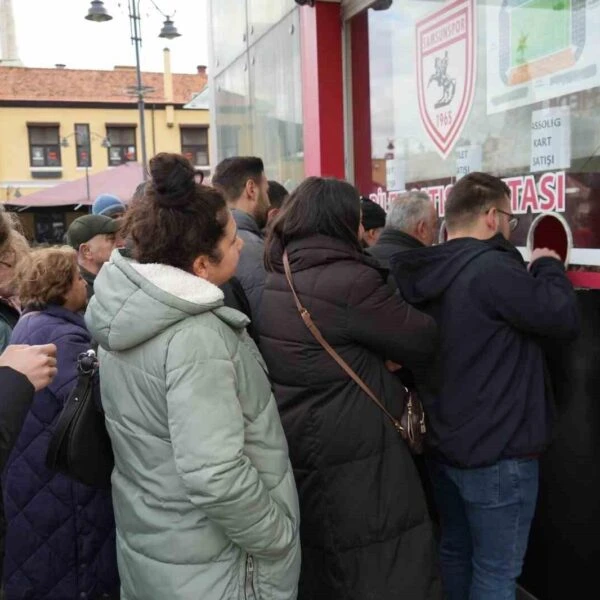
(228, 16)
(532, 58)
(263, 14)
(232, 108)
(276, 102)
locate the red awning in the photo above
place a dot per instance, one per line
(120, 181)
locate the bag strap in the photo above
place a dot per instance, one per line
(306, 317)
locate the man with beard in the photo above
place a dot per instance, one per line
(242, 180)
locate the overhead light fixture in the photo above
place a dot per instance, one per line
(98, 13)
(169, 31)
(64, 142)
(106, 143)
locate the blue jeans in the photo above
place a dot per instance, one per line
(485, 516)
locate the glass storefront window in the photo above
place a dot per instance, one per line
(258, 85)
(263, 14)
(276, 100)
(232, 110)
(532, 117)
(228, 16)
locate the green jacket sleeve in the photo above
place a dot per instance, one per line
(206, 424)
(5, 333)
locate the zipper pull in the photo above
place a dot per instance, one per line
(249, 591)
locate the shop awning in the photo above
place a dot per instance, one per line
(120, 181)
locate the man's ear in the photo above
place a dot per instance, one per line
(85, 251)
(491, 219)
(252, 189)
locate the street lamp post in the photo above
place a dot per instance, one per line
(98, 13)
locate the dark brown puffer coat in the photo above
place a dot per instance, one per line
(365, 531)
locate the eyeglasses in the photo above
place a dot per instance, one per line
(513, 222)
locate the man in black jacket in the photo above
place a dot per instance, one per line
(411, 222)
(487, 398)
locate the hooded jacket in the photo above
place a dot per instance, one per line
(486, 394)
(204, 495)
(365, 530)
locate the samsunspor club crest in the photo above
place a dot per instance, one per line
(446, 56)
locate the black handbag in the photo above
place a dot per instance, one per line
(80, 446)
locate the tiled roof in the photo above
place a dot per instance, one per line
(70, 85)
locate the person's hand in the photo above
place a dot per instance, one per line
(543, 253)
(37, 363)
(391, 366)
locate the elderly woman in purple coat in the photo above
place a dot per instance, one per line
(60, 539)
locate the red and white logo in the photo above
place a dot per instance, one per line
(446, 57)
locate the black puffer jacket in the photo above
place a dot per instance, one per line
(365, 531)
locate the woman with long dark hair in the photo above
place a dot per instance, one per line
(204, 495)
(365, 531)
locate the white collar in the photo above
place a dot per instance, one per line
(179, 283)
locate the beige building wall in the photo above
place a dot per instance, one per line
(162, 135)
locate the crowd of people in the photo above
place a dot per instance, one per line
(247, 462)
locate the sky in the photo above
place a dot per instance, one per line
(55, 31)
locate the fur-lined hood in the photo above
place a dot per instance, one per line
(135, 302)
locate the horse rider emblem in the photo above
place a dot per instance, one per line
(447, 84)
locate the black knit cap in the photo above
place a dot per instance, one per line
(373, 216)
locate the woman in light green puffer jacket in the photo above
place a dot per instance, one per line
(204, 496)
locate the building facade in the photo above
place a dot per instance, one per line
(403, 94)
(396, 95)
(60, 124)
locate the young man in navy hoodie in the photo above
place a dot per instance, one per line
(487, 396)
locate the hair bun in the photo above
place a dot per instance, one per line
(174, 180)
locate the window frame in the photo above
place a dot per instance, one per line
(195, 148)
(45, 146)
(87, 146)
(123, 148)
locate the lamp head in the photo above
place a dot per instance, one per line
(97, 12)
(169, 31)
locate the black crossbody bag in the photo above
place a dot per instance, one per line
(80, 446)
